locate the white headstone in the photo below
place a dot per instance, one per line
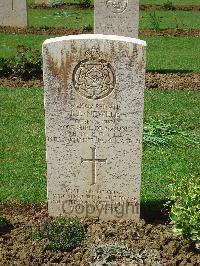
(13, 13)
(94, 87)
(119, 17)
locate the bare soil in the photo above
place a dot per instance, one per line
(18, 248)
(64, 31)
(179, 81)
(64, 7)
(142, 7)
(175, 8)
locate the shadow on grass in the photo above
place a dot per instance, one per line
(154, 211)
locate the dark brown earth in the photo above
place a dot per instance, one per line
(142, 7)
(64, 6)
(180, 8)
(18, 248)
(180, 81)
(64, 31)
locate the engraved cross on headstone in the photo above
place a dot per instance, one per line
(12, 5)
(94, 160)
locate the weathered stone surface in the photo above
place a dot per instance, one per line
(13, 13)
(117, 17)
(94, 118)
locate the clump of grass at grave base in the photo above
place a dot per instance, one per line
(120, 254)
(4, 223)
(59, 233)
(185, 207)
(87, 27)
(168, 5)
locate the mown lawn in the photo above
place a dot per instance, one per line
(23, 143)
(71, 19)
(163, 53)
(76, 19)
(170, 19)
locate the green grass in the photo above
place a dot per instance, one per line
(170, 19)
(163, 53)
(180, 109)
(174, 2)
(9, 42)
(76, 19)
(23, 158)
(71, 19)
(173, 54)
(22, 141)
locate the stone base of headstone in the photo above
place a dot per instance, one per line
(94, 94)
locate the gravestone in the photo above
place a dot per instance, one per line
(14, 13)
(94, 87)
(117, 17)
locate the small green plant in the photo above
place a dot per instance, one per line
(87, 27)
(185, 207)
(85, 3)
(27, 63)
(168, 5)
(4, 224)
(60, 233)
(43, 27)
(155, 21)
(158, 133)
(119, 254)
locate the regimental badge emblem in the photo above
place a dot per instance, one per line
(94, 78)
(117, 6)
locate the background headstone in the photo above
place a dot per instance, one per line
(119, 17)
(94, 118)
(14, 13)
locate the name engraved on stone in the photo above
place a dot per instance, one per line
(117, 6)
(94, 78)
(94, 160)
